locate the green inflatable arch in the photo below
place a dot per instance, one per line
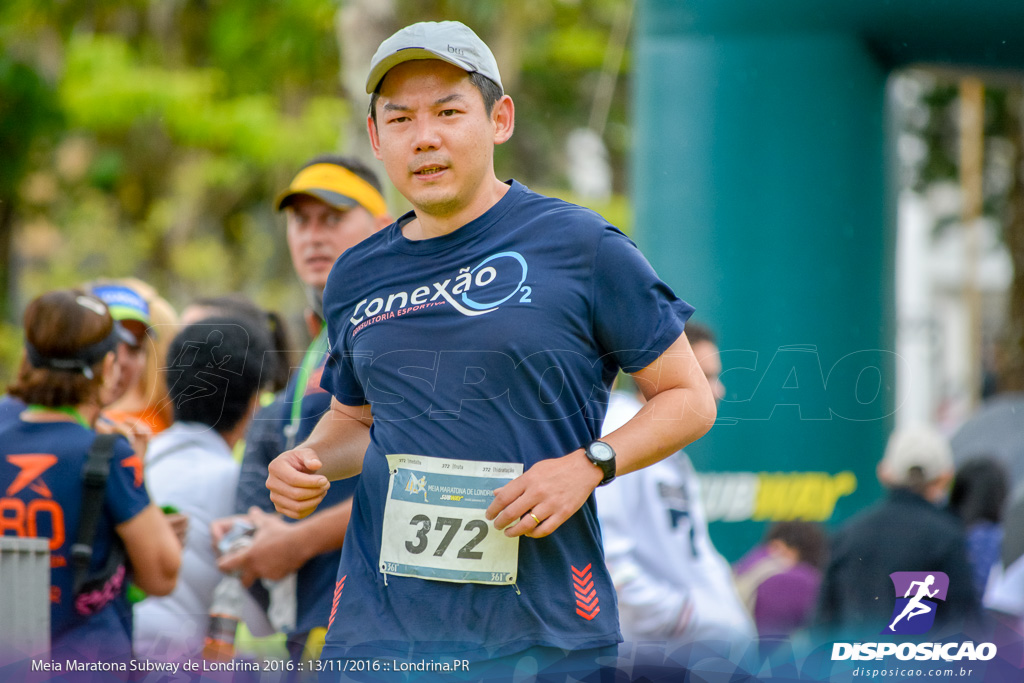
(762, 179)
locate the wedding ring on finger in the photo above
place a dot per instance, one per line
(535, 518)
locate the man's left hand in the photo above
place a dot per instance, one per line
(544, 496)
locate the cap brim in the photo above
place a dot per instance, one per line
(407, 55)
(329, 197)
(122, 334)
(128, 314)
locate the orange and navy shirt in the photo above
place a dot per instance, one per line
(41, 492)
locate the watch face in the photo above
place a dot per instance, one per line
(601, 451)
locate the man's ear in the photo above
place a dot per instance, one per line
(503, 116)
(371, 128)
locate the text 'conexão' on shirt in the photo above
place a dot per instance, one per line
(474, 291)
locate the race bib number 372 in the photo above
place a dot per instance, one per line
(434, 524)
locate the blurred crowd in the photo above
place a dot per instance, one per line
(157, 428)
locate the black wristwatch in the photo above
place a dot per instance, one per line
(602, 455)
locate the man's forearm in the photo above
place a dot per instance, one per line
(680, 409)
(324, 531)
(340, 440)
(668, 422)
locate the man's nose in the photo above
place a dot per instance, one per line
(426, 134)
(318, 226)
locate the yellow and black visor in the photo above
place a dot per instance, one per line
(335, 186)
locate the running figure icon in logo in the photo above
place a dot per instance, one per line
(922, 604)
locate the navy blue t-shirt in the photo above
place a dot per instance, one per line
(497, 342)
(264, 442)
(10, 409)
(41, 482)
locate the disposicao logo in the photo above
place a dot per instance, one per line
(917, 599)
(916, 596)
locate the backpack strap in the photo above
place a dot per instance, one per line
(94, 490)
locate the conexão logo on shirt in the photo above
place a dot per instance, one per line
(480, 289)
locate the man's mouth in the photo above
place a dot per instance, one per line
(427, 171)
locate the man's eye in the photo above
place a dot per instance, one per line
(399, 119)
(449, 112)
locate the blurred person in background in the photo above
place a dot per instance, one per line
(10, 408)
(671, 582)
(997, 428)
(131, 312)
(145, 405)
(70, 346)
(278, 362)
(1004, 591)
(779, 579)
(978, 498)
(214, 369)
(906, 532)
(333, 203)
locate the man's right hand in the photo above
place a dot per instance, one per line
(275, 550)
(295, 487)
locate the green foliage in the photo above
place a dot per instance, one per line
(10, 353)
(28, 108)
(579, 48)
(938, 127)
(941, 135)
(148, 139)
(293, 43)
(615, 210)
(107, 90)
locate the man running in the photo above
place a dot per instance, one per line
(473, 344)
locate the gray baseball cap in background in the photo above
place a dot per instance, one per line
(920, 446)
(449, 41)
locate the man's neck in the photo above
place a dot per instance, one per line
(427, 225)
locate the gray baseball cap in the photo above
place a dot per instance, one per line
(917, 445)
(449, 41)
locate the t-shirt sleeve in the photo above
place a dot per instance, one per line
(126, 490)
(636, 315)
(339, 378)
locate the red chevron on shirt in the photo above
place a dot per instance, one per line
(340, 586)
(587, 603)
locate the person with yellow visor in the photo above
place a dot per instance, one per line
(332, 204)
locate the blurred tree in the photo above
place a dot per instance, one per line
(28, 110)
(181, 120)
(1013, 234)
(932, 125)
(148, 137)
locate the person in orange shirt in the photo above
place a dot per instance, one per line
(144, 409)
